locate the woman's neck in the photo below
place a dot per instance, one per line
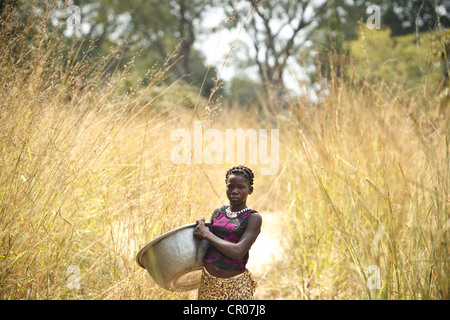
(237, 207)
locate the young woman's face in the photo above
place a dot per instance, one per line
(238, 188)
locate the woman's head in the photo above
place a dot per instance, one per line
(239, 182)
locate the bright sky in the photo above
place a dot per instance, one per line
(217, 45)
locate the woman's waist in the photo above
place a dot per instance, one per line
(221, 273)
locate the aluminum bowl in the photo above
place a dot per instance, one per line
(175, 259)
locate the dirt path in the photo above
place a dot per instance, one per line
(267, 252)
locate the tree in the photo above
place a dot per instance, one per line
(389, 58)
(163, 24)
(408, 16)
(156, 28)
(340, 24)
(274, 29)
(400, 16)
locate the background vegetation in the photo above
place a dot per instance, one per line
(86, 120)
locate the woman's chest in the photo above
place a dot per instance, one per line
(231, 229)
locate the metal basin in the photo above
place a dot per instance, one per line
(175, 259)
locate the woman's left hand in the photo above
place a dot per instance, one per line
(201, 231)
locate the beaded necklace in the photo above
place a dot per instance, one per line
(230, 214)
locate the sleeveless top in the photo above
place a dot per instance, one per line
(229, 230)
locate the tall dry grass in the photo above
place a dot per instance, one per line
(86, 179)
(367, 183)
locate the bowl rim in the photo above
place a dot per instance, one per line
(161, 237)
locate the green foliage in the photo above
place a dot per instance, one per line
(149, 32)
(406, 59)
(244, 91)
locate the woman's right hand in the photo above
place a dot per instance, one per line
(201, 231)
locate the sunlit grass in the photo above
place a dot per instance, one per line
(368, 184)
(86, 179)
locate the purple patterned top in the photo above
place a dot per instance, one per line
(229, 230)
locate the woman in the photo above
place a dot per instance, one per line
(232, 232)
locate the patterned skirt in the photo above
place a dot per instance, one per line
(240, 287)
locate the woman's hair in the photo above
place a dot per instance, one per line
(243, 171)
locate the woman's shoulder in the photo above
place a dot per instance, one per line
(216, 212)
(256, 215)
(252, 213)
(254, 220)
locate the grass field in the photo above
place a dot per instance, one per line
(86, 179)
